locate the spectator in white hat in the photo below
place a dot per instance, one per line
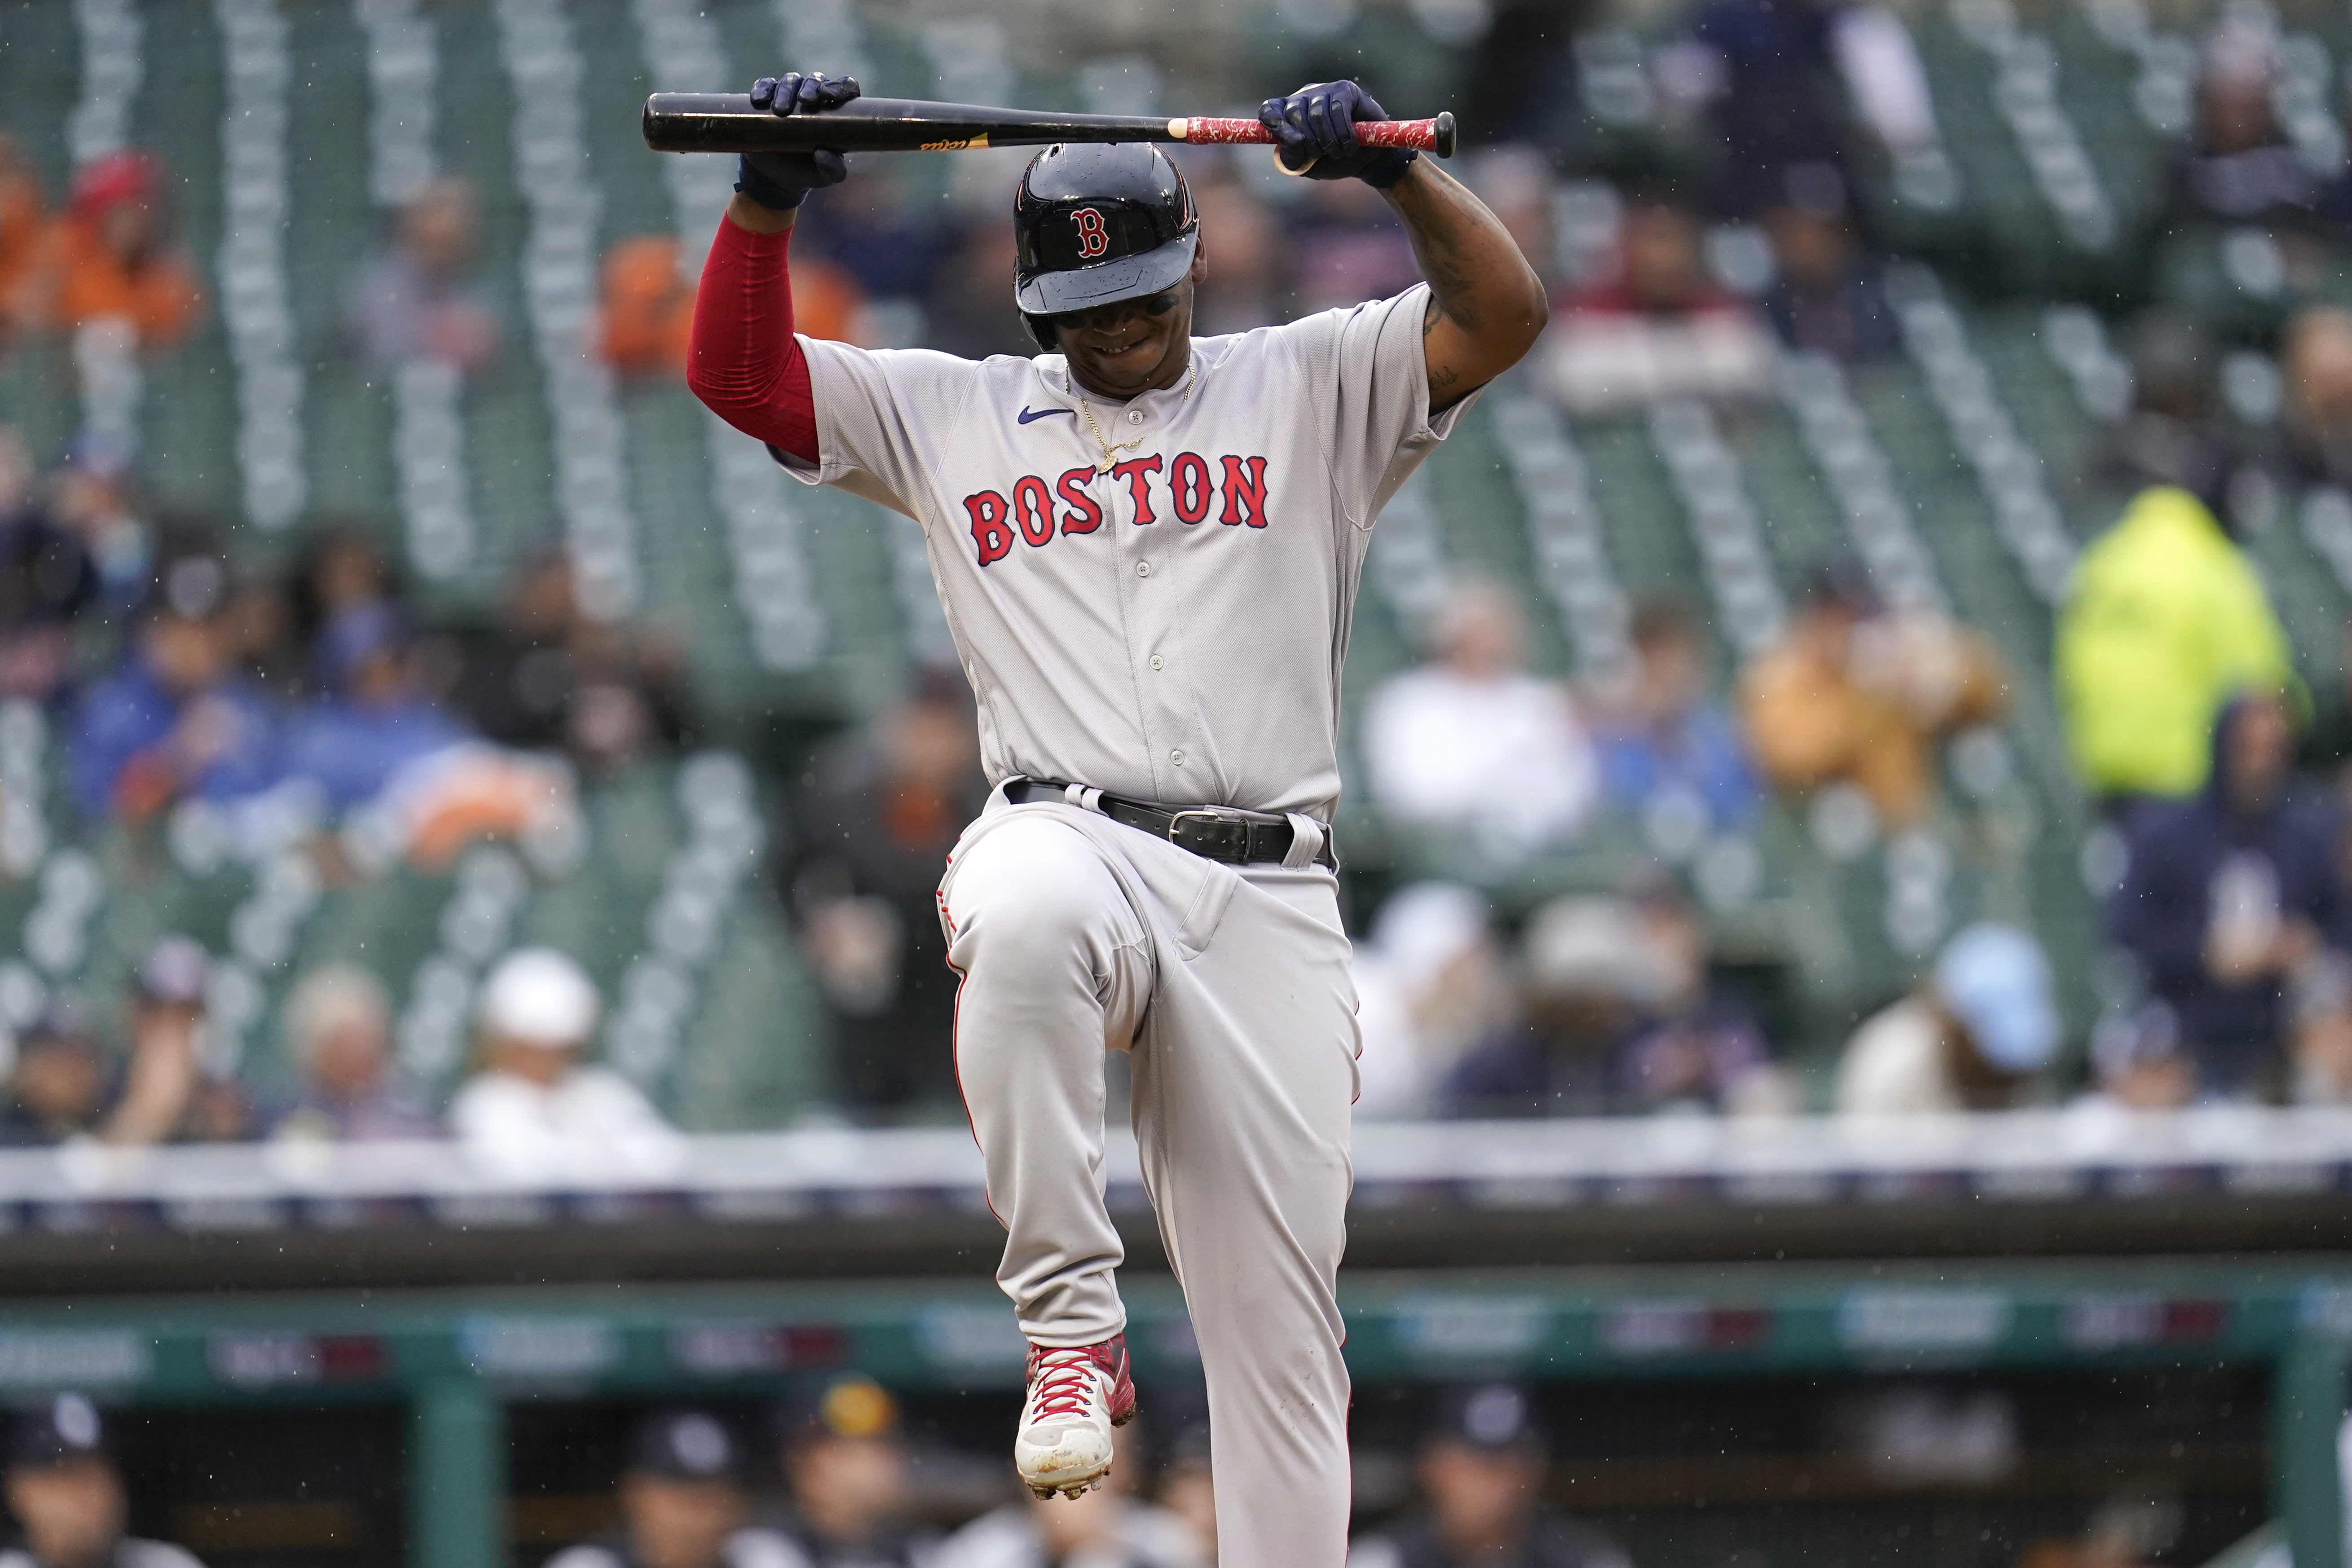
(1972, 1038)
(534, 1112)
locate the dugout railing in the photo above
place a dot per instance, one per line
(1597, 1253)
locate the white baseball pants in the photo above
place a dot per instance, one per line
(1231, 986)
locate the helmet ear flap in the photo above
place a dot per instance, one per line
(1041, 329)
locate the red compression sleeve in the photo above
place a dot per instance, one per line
(745, 363)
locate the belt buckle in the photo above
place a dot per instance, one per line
(1211, 835)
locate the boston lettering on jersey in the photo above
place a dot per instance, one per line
(1233, 487)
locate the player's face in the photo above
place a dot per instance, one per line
(71, 1512)
(679, 1524)
(1134, 345)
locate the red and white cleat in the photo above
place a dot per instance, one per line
(1076, 1396)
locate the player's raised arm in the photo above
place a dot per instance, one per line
(1487, 306)
(744, 361)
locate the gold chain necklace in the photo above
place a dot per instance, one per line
(1105, 463)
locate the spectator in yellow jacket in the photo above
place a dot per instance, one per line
(2165, 621)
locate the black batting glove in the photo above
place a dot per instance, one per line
(1316, 129)
(779, 180)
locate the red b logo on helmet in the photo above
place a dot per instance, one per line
(1092, 239)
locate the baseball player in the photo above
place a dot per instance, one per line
(1148, 546)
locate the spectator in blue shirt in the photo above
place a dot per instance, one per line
(176, 720)
(375, 720)
(1671, 746)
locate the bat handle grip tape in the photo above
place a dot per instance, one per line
(1420, 135)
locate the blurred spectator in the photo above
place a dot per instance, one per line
(1699, 1048)
(2241, 167)
(548, 678)
(2319, 1050)
(164, 1082)
(1971, 1038)
(1481, 1468)
(62, 1088)
(534, 1112)
(845, 1467)
(67, 1495)
(2165, 618)
(1670, 739)
(1473, 742)
(2174, 432)
(176, 720)
(1245, 245)
(372, 721)
(23, 221)
(1104, 1529)
(1346, 247)
(628, 696)
(1429, 984)
(339, 1032)
(1591, 979)
(875, 233)
(59, 1085)
(112, 256)
(877, 817)
(46, 579)
(1659, 328)
(341, 569)
(2230, 894)
(1828, 294)
(648, 309)
(376, 738)
(1523, 71)
(1764, 68)
(91, 498)
(683, 1503)
(1858, 694)
(2140, 1063)
(257, 632)
(969, 307)
(412, 301)
(2315, 412)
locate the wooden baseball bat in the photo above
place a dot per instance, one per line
(726, 123)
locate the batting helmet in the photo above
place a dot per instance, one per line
(1093, 224)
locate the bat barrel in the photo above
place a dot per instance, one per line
(727, 123)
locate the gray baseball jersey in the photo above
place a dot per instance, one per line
(1166, 620)
(1171, 627)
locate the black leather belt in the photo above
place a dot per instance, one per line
(1222, 832)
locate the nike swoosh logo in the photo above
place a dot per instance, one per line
(1027, 414)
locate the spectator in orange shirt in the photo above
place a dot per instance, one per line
(112, 254)
(1860, 694)
(648, 313)
(22, 222)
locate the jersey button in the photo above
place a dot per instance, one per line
(1158, 662)
(1143, 568)
(1135, 416)
(1176, 757)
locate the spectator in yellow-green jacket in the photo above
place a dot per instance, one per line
(2165, 622)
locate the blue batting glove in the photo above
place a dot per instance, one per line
(779, 180)
(1316, 129)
